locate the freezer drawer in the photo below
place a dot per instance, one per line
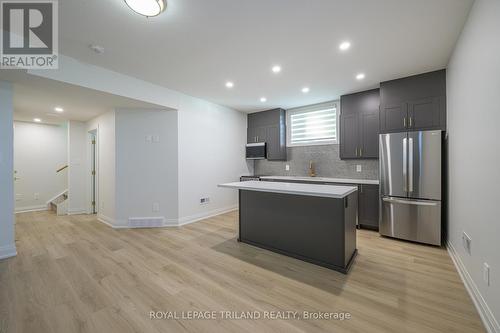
(415, 220)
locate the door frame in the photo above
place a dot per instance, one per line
(90, 134)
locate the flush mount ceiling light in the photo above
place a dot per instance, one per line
(58, 109)
(360, 76)
(344, 46)
(276, 68)
(147, 8)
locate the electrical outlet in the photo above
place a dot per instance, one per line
(287, 167)
(156, 207)
(486, 273)
(36, 196)
(358, 167)
(156, 139)
(19, 197)
(204, 201)
(466, 242)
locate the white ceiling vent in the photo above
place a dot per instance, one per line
(146, 222)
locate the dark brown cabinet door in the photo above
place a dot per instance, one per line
(393, 118)
(359, 125)
(349, 137)
(369, 128)
(276, 149)
(413, 103)
(368, 209)
(424, 114)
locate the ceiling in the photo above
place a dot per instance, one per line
(195, 46)
(36, 97)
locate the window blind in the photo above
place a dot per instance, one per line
(314, 126)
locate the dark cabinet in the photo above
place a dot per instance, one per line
(359, 125)
(413, 103)
(270, 127)
(368, 206)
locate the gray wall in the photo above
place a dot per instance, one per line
(473, 82)
(326, 160)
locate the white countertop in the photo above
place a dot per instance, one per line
(325, 180)
(315, 190)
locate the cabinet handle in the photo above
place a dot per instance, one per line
(410, 122)
(360, 152)
(361, 188)
(356, 151)
(404, 122)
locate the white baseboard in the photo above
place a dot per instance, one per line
(169, 222)
(106, 220)
(36, 208)
(489, 320)
(77, 211)
(205, 215)
(8, 251)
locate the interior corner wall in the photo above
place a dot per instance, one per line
(212, 142)
(7, 243)
(146, 165)
(77, 171)
(473, 85)
(106, 166)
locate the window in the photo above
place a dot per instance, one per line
(312, 125)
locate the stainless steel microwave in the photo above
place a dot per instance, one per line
(256, 151)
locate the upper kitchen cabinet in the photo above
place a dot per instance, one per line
(413, 103)
(270, 127)
(359, 125)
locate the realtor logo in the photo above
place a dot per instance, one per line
(29, 38)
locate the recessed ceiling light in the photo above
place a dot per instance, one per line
(147, 8)
(229, 84)
(360, 76)
(276, 68)
(58, 109)
(37, 120)
(305, 90)
(263, 99)
(344, 46)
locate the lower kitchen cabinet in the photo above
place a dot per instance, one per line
(368, 206)
(368, 201)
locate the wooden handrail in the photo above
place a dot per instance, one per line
(61, 169)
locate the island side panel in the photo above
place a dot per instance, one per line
(350, 219)
(305, 227)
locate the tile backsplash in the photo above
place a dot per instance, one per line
(326, 161)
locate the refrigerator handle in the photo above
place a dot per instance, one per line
(410, 165)
(405, 165)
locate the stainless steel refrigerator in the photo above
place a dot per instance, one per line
(410, 186)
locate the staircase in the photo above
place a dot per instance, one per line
(59, 204)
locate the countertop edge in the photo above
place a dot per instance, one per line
(325, 180)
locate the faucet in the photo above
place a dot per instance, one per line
(312, 172)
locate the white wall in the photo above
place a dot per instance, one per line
(78, 169)
(473, 87)
(211, 137)
(7, 244)
(146, 165)
(106, 167)
(212, 142)
(39, 150)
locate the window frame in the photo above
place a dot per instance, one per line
(312, 108)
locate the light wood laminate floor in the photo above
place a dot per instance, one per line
(75, 274)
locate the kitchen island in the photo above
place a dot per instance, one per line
(314, 223)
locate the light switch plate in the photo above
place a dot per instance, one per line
(149, 138)
(287, 167)
(156, 207)
(358, 167)
(36, 196)
(156, 138)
